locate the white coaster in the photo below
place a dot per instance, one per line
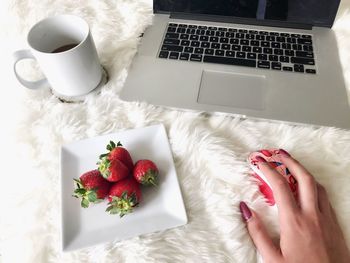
(77, 99)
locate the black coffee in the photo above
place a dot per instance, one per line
(64, 48)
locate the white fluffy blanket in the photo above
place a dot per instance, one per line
(209, 150)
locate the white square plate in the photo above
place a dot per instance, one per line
(161, 208)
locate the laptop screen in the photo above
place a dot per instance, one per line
(309, 12)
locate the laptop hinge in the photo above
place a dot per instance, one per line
(239, 20)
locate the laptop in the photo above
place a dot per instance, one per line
(260, 59)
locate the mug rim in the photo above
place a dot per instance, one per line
(45, 20)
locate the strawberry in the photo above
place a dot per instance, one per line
(146, 172)
(124, 195)
(112, 170)
(91, 187)
(117, 152)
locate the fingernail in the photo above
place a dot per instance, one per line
(246, 213)
(284, 153)
(260, 159)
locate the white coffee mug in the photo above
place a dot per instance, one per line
(66, 53)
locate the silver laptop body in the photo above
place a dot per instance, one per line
(319, 99)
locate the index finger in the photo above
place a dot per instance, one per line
(284, 198)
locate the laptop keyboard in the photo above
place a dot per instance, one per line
(239, 47)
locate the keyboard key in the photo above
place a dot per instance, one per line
(236, 48)
(224, 40)
(276, 65)
(222, 29)
(265, 44)
(174, 55)
(204, 38)
(249, 36)
(226, 46)
(183, 25)
(196, 57)
(184, 56)
(251, 56)
(263, 64)
(201, 32)
(281, 39)
(257, 49)
(214, 39)
(232, 30)
(172, 48)
(191, 31)
(195, 43)
(275, 45)
(285, 35)
(209, 51)
(297, 47)
(246, 48)
(194, 37)
(253, 32)
(286, 46)
(260, 37)
(188, 49)
(219, 52)
(243, 31)
(304, 41)
(173, 24)
(295, 35)
(274, 34)
(263, 33)
(192, 26)
(306, 36)
(278, 52)
(270, 38)
(304, 54)
(284, 59)
(163, 54)
(307, 48)
(230, 61)
(215, 45)
(291, 40)
(171, 29)
(198, 50)
(185, 36)
(239, 35)
(262, 56)
(230, 34)
(172, 35)
(273, 58)
(254, 43)
(304, 61)
(210, 33)
(234, 41)
(185, 43)
(181, 30)
(310, 71)
(289, 53)
(240, 54)
(202, 27)
(298, 68)
(205, 44)
(287, 68)
(171, 41)
(230, 54)
(212, 28)
(267, 50)
(244, 42)
(219, 33)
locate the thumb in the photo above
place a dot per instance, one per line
(259, 235)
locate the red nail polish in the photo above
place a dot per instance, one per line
(260, 159)
(284, 153)
(246, 213)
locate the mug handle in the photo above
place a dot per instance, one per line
(25, 54)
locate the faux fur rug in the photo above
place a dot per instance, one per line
(209, 151)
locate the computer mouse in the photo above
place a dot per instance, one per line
(273, 157)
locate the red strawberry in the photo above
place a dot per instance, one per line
(116, 152)
(146, 172)
(91, 188)
(112, 170)
(124, 195)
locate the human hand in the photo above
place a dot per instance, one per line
(309, 231)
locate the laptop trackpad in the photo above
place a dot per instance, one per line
(232, 90)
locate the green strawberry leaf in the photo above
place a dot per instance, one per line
(92, 196)
(119, 144)
(103, 155)
(85, 203)
(112, 144)
(80, 191)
